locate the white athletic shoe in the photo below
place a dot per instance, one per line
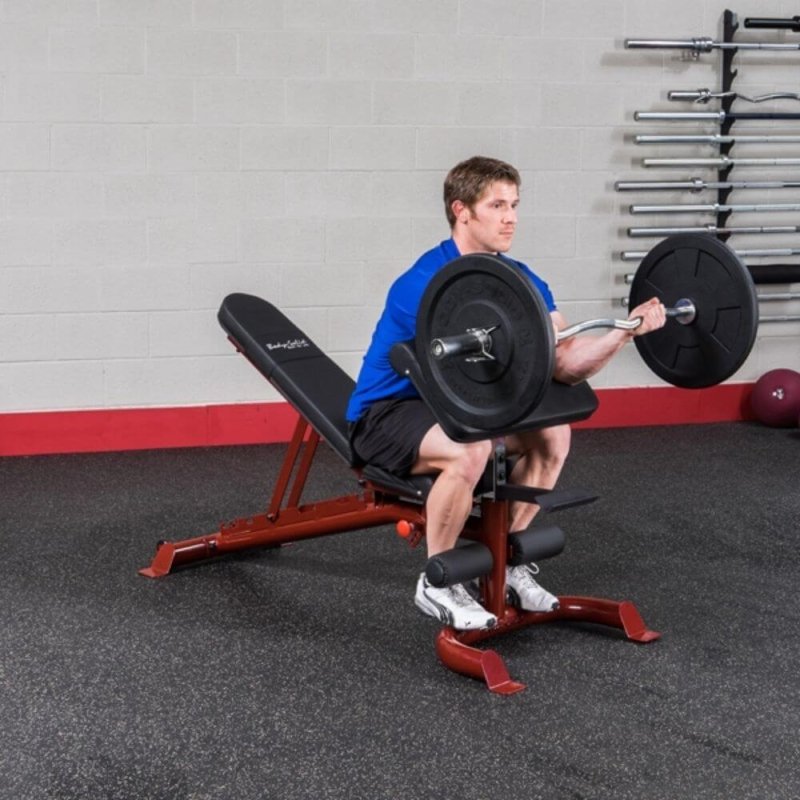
(523, 592)
(452, 605)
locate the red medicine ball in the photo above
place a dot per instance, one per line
(776, 398)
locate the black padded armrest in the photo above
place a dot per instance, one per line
(561, 403)
(404, 361)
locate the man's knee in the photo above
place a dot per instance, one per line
(548, 446)
(557, 442)
(470, 459)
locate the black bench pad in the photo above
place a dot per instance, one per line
(311, 381)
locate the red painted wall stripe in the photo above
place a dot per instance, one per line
(104, 430)
(667, 405)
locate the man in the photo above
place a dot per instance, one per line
(392, 428)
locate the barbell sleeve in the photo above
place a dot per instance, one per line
(475, 342)
(460, 344)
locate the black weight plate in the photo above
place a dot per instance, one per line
(481, 291)
(700, 268)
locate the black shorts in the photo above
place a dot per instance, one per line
(390, 433)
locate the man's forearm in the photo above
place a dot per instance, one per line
(578, 358)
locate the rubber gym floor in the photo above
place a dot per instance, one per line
(307, 672)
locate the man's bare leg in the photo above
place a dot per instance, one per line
(542, 456)
(460, 466)
(448, 505)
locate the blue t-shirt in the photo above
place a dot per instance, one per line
(377, 380)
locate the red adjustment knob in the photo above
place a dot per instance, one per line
(405, 529)
(410, 531)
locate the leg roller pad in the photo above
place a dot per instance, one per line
(535, 544)
(459, 564)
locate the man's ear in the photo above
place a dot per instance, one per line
(460, 210)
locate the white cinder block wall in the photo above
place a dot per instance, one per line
(158, 154)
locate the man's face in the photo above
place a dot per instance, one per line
(489, 226)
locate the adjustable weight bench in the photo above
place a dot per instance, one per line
(319, 390)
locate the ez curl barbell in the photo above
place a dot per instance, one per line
(476, 343)
(486, 345)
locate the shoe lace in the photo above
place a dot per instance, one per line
(528, 570)
(527, 573)
(461, 596)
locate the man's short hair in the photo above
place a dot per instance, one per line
(468, 180)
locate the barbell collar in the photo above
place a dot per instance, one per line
(476, 342)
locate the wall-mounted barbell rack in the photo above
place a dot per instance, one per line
(722, 209)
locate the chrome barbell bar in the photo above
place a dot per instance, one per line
(712, 229)
(704, 44)
(637, 255)
(717, 139)
(476, 343)
(698, 184)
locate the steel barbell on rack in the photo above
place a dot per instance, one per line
(486, 345)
